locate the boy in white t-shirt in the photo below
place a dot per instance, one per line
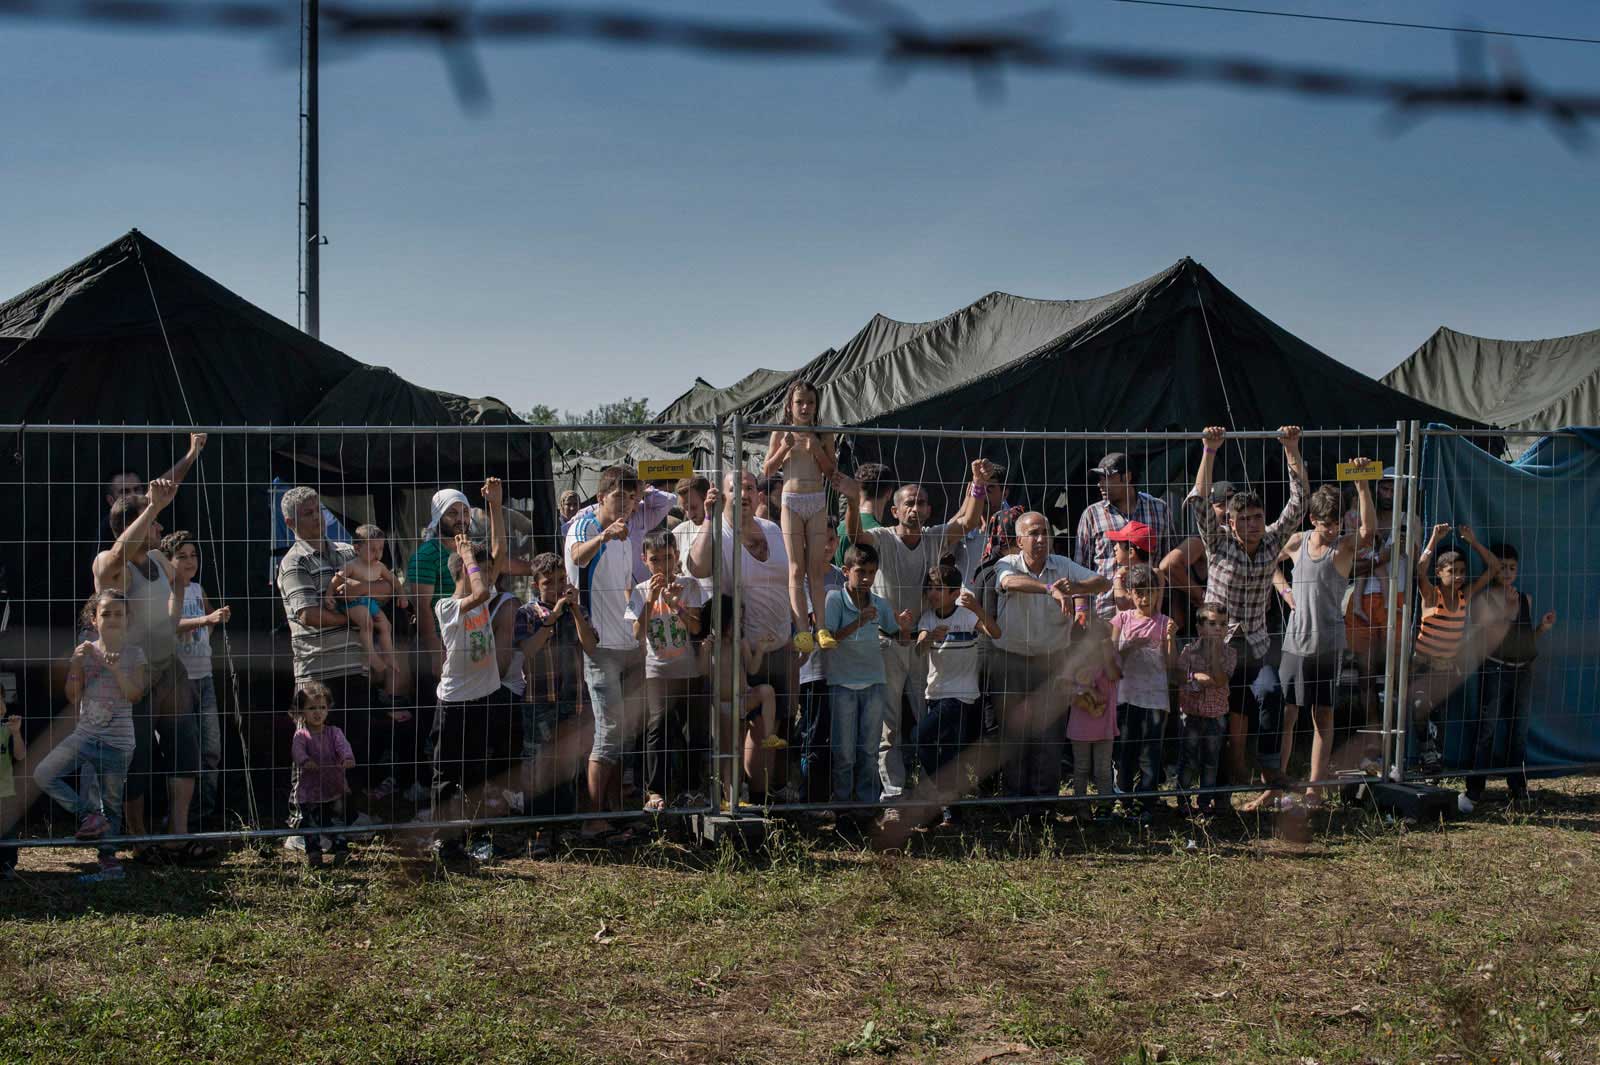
(470, 679)
(948, 635)
(665, 611)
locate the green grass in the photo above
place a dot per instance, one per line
(1364, 942)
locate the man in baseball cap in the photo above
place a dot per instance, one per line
(1120, 503)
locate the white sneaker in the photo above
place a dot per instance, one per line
(1464, 804)
(294, 843)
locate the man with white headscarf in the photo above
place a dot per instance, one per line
(428, 577)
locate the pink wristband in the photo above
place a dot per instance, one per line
(474, 569)
(979, 491)
(1211, 451)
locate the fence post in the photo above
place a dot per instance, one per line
(1391, 596)
(736, 549)
(714, 606)
(1403, 580)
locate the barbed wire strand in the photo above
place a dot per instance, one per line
(897, 42)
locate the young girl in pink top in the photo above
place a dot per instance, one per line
(321, 755)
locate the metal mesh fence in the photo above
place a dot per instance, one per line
(1129, 624)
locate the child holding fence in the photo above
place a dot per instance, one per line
(105, 677)
(321, 754)
(948, 634)
(1204, 667)
(1436, 671)
(554, 633)
(194, 651)
(1505, 682)
(805, 461)
(665, 611)
(1144, 639)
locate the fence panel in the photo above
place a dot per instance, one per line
(1038, 716)
(200, 744)
(1020, 654)
(1502, 681)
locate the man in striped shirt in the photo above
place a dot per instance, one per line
(1240, 561)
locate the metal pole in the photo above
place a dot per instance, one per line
(1391, 595)
(310, 208)
(736, 549)
(717, 578)
(1402, 638)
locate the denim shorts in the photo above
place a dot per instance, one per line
(615, 679)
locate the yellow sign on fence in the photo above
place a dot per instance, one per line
(1349, 471)
(665, 469)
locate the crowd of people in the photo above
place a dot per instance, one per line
(878, 669)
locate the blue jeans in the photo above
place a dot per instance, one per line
(1200, 755)
(947, 728)
(1138, 751)
(551, 757)
(1503, 694)
(210, 722)
(816, 750)
(857, 729)
(103, 794)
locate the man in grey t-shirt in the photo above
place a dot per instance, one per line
(906, 551)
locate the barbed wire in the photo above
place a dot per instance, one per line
(890, 36)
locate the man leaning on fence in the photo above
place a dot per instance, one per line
(1240, 562)
(1029, 659)
(323, 643)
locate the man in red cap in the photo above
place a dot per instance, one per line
(1121, 502)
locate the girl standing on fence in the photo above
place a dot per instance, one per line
(805, 461)
(321, 755)
(105, 676)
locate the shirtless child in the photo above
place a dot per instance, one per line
(376, 583)
(806, 461)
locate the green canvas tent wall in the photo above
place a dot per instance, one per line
(1528, 385)
(1176, 351)
(90, 346)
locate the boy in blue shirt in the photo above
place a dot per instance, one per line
(857, 684)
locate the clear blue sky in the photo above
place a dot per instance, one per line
(621, 221)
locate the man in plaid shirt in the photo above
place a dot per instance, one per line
(1121, 504)
(1240, 560)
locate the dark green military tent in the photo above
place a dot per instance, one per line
(1531, 385)
(1175, 352)
(134, 335)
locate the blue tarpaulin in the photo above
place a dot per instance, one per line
(1547, 506)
